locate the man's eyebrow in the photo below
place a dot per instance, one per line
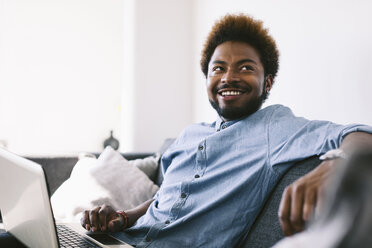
(239, 62)
(247, 61)
(218, 62)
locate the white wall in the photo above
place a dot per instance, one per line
(72, 70)
(326, 55)
(160, 103)
(60, 74)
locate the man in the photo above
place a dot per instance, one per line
(217, 176)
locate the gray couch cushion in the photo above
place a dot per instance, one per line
(266, 230)
(57, 170)
(167, 143)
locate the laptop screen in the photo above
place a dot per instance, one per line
(24, 201)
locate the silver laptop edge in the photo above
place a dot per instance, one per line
(25, 205)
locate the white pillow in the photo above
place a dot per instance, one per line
(148, 165)
(110, 180)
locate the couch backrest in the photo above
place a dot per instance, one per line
(266, 230)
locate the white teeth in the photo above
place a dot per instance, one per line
(230, 93)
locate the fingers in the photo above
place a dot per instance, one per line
(84, 221)
(102, 219)
(94, 220)
(297, 202)
(309, 205)
(319, 202)
(292, 209)
(284, 213)
(301, 199)
(116, 224)
(98, 219)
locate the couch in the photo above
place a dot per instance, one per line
(265, 231)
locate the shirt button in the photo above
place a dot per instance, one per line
(167, 222)
(148, 239)
(196, 176)
(183, 195)
(223, 126)
(201, 147)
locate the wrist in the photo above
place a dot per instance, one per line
(333, 154)
(125, 217)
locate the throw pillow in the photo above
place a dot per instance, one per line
(110, 180)
(148, 165)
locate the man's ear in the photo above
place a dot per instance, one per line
(269, 80)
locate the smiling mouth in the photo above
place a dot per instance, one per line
(230, 93)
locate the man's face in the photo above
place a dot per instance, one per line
(236, 83)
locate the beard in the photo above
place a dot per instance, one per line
(241, 112)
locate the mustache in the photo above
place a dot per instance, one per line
(245, 88)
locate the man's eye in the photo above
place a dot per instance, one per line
(246, 68)
(217, 68)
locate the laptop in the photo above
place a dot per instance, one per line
(26, 210)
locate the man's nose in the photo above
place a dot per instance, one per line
(230, 76)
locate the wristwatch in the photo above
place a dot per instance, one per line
(333, 154)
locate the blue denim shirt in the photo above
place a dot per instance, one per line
(217, 176)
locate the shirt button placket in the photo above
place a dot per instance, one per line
(201, 159)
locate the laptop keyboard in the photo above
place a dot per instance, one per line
(69, 238)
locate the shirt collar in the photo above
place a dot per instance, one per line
(221, 124)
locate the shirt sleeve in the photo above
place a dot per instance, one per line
(294, 138)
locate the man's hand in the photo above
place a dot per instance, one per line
(302, 197)
(105, 218)
(102, 219)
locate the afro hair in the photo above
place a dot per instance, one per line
(243, 28)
